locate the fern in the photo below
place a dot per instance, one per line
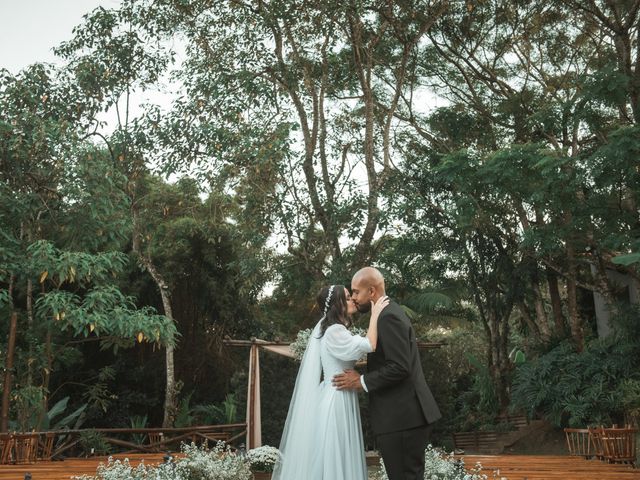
(578, 389)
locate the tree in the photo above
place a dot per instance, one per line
(48, 176)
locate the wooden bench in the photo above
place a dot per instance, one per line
(518, 421)
(475, 441)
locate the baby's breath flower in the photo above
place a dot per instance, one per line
(263, 459)
(439, 465)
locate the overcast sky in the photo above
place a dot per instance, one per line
(29, 29)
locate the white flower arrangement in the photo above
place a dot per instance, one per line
(439, 465)
(299, 345)
(199, 463)
(263, 459)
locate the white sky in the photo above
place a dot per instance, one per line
(29, 29)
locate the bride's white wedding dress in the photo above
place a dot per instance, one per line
(322, 439)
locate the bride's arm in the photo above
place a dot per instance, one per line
(376, 310)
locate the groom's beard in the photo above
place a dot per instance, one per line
(364, 307)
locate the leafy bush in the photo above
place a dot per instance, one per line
(580, 388)
(225, 412)
(93, 443)
(460, 383)
(29, 407)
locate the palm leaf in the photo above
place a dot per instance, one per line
(428, 302)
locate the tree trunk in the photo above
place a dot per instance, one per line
(362, 57)
(30, 329)
(541, 315)
(8, 373)
(499, 363)
(575, 322)
(556, 304)
(528, 321)
(603, 284)
(170, 399)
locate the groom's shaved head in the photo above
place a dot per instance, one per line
(367, 286)
(369, 277)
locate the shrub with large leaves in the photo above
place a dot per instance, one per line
(578, 389)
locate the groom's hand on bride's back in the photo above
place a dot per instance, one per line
(347, 380)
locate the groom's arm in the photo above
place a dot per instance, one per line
(397, 353)
(348, 380)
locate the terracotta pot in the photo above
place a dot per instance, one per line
(262, 475)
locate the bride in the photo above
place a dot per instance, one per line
(322, 437)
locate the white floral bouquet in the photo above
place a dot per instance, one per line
(217, 463)
(439, 465)
(299, 345)
(263, 459)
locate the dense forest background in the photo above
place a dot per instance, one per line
(482, 154)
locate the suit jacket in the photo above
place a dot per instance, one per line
(399, 397)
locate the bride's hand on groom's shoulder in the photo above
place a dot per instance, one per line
(379, 305)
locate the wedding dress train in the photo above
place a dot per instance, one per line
(322, 439)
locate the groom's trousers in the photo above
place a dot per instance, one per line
(403, 452)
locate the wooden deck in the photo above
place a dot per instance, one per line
(509, 467)
(547, 467)
(64, 470)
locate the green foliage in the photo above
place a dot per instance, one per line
(579, 388)
(628, 259)
(28, 406)
(138, 421)
(30, 413)
(97, 395)
(93, 443)
(72, 420)
(300, 156)
(225, 412)
(478, 406)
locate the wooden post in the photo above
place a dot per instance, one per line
(254, 430)
(4, 417)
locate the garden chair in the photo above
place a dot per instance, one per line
(45, 445)
(620, 445)
(596, 440)
(26, 447)
(6, 448)
(579, 442)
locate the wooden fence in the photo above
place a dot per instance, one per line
(30, 447)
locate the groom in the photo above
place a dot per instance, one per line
(402, 406)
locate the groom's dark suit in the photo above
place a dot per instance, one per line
(401, 403)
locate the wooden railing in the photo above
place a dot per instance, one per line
(33, 446)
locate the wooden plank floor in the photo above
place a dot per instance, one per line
(548, 467)
(509, 467)
(64, 470)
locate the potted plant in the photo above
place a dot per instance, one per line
(262, 461)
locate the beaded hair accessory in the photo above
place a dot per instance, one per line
(328, 301)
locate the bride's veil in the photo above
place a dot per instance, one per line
(298, 443)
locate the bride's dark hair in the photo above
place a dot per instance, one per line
(336, 310)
